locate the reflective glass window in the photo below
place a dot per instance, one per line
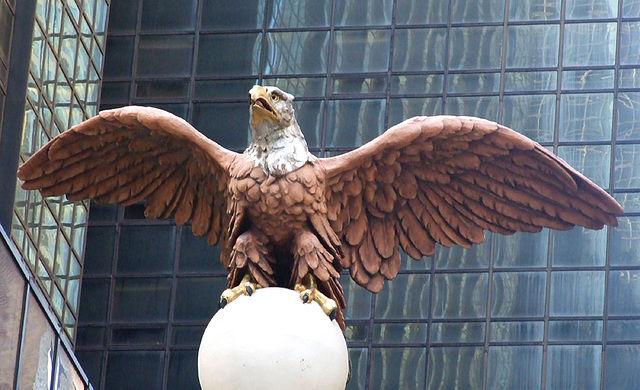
(533, 46)
(363, 13)
(298, 14)
(149, 250)
(574, 367)
(460, 295)
(577, 293)
(236, 54)
(419, 49)
(168, 15)
(361, 51)
(475, 47)
(130, 292)
(293, 52)
(451, 367)
(398, 368)
(514, 367)
(166, 56)
(518, 294)
(142, 368)
(422, 12)
(589, 44)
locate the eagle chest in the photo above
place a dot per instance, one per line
(278, 202)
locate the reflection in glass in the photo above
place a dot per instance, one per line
(233, 129)
(575, 330)
(144, 368)
(577, 293)
(455, 368)
(300, 87)
(623, 330)
(477, 11)
(514, 367)
(417, 84)
(628, 119)
(361, 51)
(165, 55)
(531, 115)
(404, 297)
(458, 257)
(357, 298)
(625, 240)
(128, 294)
(593, 161)
(228, 54)
(534, 10)
(237, 15)
(422, 12)
(589, 9)
(579, 247)
(168, 15)
(475, 47)
(419, 49)
(621, 367)
(517, 331)
(518, 294)
(207, 289)
(629, 36)
(589, 44)
(481, 106)
(354, 122)
(298, 14)
(586, 117)
(458, 332)
(530, 81)
(624, 293)
(359, 361)
(474, 83)
(294, 52)
(460, 295)
(574, 367)
(146, 249)
(363, 12)
(401, 109)
(359, 85)
(627, 170)
(398, 368)
(533, 46)
(183, 370)
(400, 333)
(588, 79)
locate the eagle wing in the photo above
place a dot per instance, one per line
(445, 180)
(132, 154)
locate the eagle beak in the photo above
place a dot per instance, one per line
(261, 108)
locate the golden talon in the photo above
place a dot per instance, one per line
(309, 292)
(246, 287)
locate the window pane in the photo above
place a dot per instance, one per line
(458, 332)
(168, 15)
(401, 109)
(419, 49)
(627, 170)
(517, 331)
(621, 367)
(183, 370)
(359, 361)
(534, 10)
(474, 83)
(146, 249)
(629, 36)
(475, 47)
(625, 242)
(100, 240)
(406, 296)
(417, 84)
(225, 123)
(357, 298)
(196, 255)
(455, 368)
(400, 333)
(366, 115)
(127, 12)
(138, 336)
(294, 14)
(518, 294)
(588, 44)
(95, 300)
(228, 54)
(477, 11)
(577, 293)
(165, 56)
(531, 115)
(589, 9)
(530, 81)
(480, 106)
(514, 367)
(421, 12)
(593, 161)
(586, 117)
(227, 15)
(361, 51)
(296, 52)
(628, 106)
(207, 290)
(118, 60)
(533, 46)
(359, 85)
(574, 367)
(579, 247)
(575, 330)
(460, 295)
(135, 369)
(310, 116)
(623, 330)
(588, 79)
(396, 368)
(624, 293)
(363, 12)
(162, 89)
(141, 300)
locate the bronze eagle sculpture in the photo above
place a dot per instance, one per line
(284, 217)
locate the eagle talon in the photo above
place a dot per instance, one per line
(246, 287)
(309, 292)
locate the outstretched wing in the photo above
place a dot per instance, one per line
(445, 180)
(132, 154)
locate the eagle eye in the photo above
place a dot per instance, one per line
(275, 97)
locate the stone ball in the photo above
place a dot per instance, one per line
(271, 340)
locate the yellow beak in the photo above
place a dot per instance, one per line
(261, 108)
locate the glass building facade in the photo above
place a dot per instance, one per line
(555, 310)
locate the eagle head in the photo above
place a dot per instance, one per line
(277, 145)
(271, 108)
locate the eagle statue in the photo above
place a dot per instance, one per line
(284, 217)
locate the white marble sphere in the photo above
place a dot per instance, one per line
(271, 340)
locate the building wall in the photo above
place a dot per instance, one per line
(62, 85)
(555, 310)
